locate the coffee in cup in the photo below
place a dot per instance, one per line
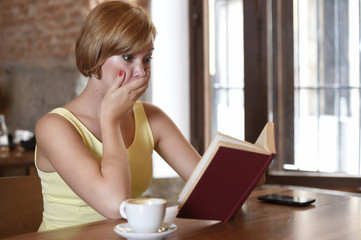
(144, 215)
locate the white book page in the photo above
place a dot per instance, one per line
(228, 139)
(267, 138)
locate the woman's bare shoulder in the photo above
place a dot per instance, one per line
(152, 110)
(51, 125)
(53, 132)
(149, 106)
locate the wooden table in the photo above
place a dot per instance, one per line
(17, 159)
(334, 215)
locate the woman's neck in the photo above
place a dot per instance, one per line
(89, 101)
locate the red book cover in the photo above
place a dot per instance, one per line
(225, 183)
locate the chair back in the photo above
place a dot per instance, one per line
(21, 205)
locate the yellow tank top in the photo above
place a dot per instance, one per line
(62, 207)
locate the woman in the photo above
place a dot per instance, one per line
(95, 152)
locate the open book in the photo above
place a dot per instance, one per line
(226, 176)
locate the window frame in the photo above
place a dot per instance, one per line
(267, 59)
(283, 71)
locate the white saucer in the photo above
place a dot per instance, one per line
(126, 231)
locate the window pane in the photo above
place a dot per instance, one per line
(230, 111)
(349, 139)
(306, 130)
(328, 131)
(327, 85)
(226, 66)
(306, 43)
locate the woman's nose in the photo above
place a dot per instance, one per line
(140, 70)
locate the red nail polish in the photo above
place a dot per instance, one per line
(121, 73)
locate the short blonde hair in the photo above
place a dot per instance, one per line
(111, 28)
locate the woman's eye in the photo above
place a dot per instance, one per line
(148, 59)
(127, 57)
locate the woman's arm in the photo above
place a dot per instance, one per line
(61, 145)
(102, 185)
(170, 143)
(172, 146)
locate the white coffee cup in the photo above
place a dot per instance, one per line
(144, 215)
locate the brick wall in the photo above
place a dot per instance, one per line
(35, 29)
(37, 67)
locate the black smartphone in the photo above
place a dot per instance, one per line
(288, 200)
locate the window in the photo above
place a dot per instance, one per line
(317, 73)
(231, 108)
(226, 67)
(327, 86)
(302, 70)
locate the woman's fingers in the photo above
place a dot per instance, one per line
(139, 83)
(128, 89)
(122, 95)
(118, 81)
(137, 87)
